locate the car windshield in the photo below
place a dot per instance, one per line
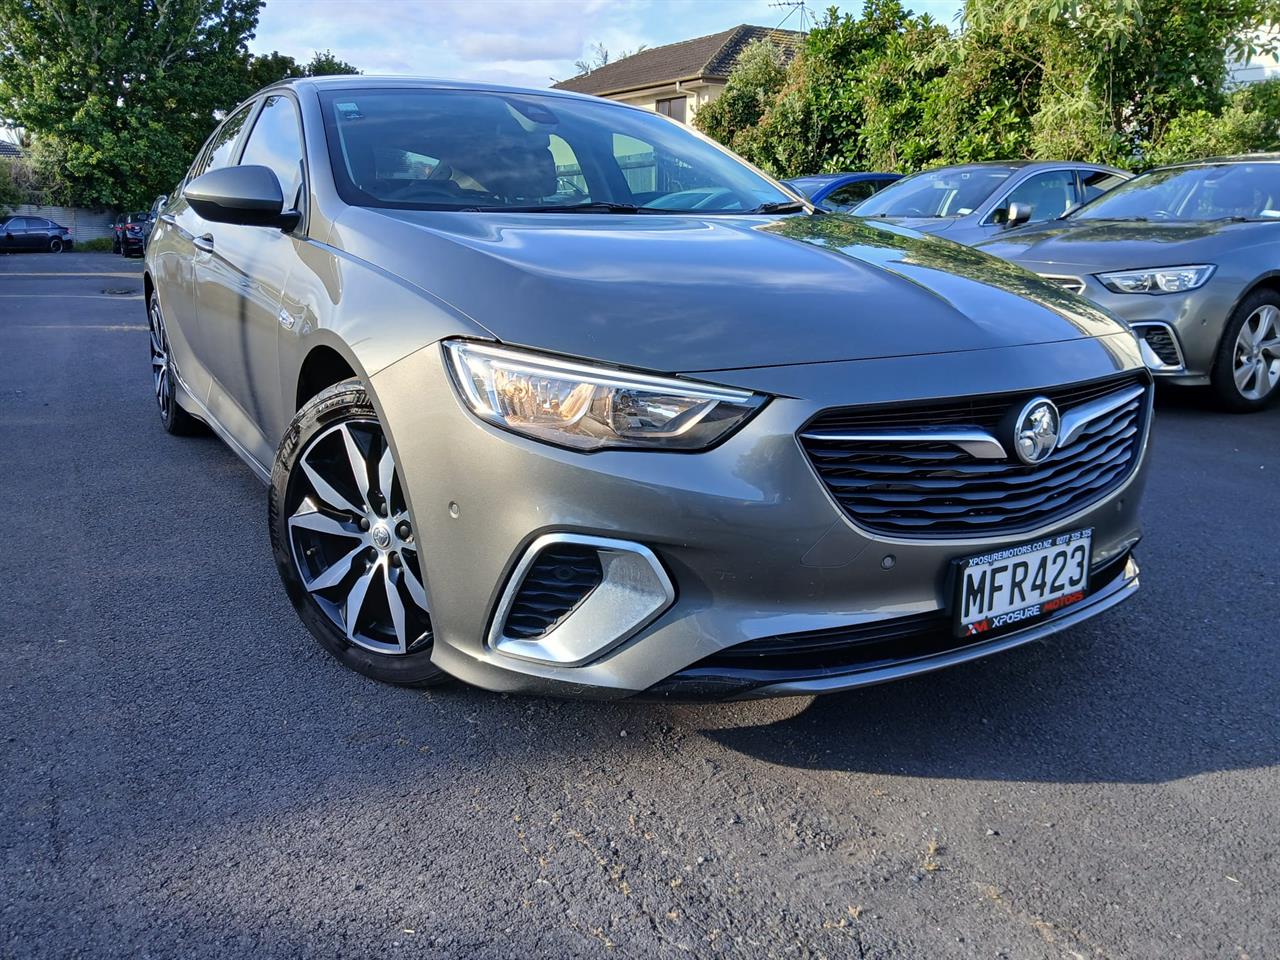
(1218, 191)
(949, 192)
(433, 149)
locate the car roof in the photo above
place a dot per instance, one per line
(833, 177)
(366, 82)
(1271, 157)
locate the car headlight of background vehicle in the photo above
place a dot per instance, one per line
(1158, 279)
(589, 407)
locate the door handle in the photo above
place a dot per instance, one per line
(204, 243)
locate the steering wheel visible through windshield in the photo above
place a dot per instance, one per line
(437, 149)
(950, 192)
(1218, 191)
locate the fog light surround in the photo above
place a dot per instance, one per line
(633, 591)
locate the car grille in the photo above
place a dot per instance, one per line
(1074, 284)
(558, 580)
(928, 488)
(1162, 344)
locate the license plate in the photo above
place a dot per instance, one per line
(1014, 586)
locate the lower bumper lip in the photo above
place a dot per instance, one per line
(1118, 590)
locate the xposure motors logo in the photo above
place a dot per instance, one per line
(1035, 432)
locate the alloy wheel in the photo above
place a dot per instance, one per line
(1256, 366)
(160, 372)
(55, 245)
(353, 542)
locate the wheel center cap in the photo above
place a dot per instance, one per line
(381, 536)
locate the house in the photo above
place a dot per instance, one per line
(10, 151)
(677, 79)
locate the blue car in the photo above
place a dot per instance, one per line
(841, 192)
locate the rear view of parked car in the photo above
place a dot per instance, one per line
(976, 201)
(33, 233)
(1189, 255)
(130, 233)
(841, 192)
(670, 432)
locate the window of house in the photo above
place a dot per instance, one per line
(674, 108)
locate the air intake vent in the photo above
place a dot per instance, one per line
(559, 579)
(1160, 340)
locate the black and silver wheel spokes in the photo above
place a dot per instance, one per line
(1256, 366)
(160, 372)
(353, 543)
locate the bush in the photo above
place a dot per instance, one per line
(96, 245)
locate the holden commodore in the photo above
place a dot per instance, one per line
(552, 394)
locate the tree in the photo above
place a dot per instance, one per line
(1127, 82)
(119, 94)
(325, 64)
(753, 86)
(600, 56)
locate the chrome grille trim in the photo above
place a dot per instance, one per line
(1074, 284)
(922, 486)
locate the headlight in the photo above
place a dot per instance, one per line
(590, 408)
(1157, 279)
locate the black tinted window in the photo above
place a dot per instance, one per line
(224, 143)
(850, 195)
(1097, 182)
(276, 142)
(427, 148)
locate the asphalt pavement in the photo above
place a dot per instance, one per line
(184, 773)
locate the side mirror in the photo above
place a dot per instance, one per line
(248, 195)
(1019, 213)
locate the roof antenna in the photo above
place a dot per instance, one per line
(791, 6)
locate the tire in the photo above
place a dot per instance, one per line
(55, 245)
(1246, 370)
(352, 535)
(175, 420)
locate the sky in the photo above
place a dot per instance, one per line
(522, 42)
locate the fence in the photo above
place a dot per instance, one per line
(83, 224)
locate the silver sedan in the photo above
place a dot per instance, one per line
(552, 394)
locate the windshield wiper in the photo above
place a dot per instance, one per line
(592, 206)
(780, 206)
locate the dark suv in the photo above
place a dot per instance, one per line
(129, 234)
(33, 233)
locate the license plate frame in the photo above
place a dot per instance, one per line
(1073, 584)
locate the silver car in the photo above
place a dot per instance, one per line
(1190, 256)
(972, 202)
(553, 394)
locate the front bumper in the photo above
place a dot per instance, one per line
(1195, 320)
(748, 535)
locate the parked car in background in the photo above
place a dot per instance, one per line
(972, 202)
(841, 192)
(669, 433)
(130, 233)
(152, 214)
(1189, 255)
(33, 233)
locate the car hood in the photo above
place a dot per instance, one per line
(689, 293)
(1090, 246)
